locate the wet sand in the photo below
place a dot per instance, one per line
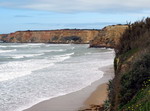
(98, 96)
(96, 93)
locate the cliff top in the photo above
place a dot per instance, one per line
(54, 30)
(107, 27)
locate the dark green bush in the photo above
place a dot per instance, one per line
(136, 35)
(133, 81)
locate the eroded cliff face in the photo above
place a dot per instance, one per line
(109, 36)
(2, 36)
(51, 36)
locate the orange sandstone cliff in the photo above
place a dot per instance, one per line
(51, 36)
(107, 37)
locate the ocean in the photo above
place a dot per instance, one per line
(31, 73)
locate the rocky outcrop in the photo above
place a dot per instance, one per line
(51, 36)
(108, 36)
(3, 36)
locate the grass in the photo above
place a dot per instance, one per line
(140, 102)
(128, 54)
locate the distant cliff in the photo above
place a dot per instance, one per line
(108, 36)
(51, 36)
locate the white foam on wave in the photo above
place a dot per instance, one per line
(2, 46)
(19, 56)
(12, 70)
(59, 50)
(59, 58)
(69, 54)
(17, 69)
(55, 45)
(60, 79)
(27, 45)
(88, 53)
(35, 44)
(110, 49)
(76, 75)
(109, 52)
(5, 51)
(19, 46)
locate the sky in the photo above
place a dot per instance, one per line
(16, 15)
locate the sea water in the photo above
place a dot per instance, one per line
(31, 73)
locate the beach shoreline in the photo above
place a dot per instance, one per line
(96, 99)
(95, 94)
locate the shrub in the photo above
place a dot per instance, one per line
(133, 81)
(136, 35)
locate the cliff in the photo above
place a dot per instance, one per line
(2, 36)
(51, 36)
(129, 90)
(108, 36)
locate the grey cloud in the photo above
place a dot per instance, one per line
(80, 5)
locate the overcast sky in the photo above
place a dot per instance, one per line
(58, 14)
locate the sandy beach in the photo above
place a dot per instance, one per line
(95, 94)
